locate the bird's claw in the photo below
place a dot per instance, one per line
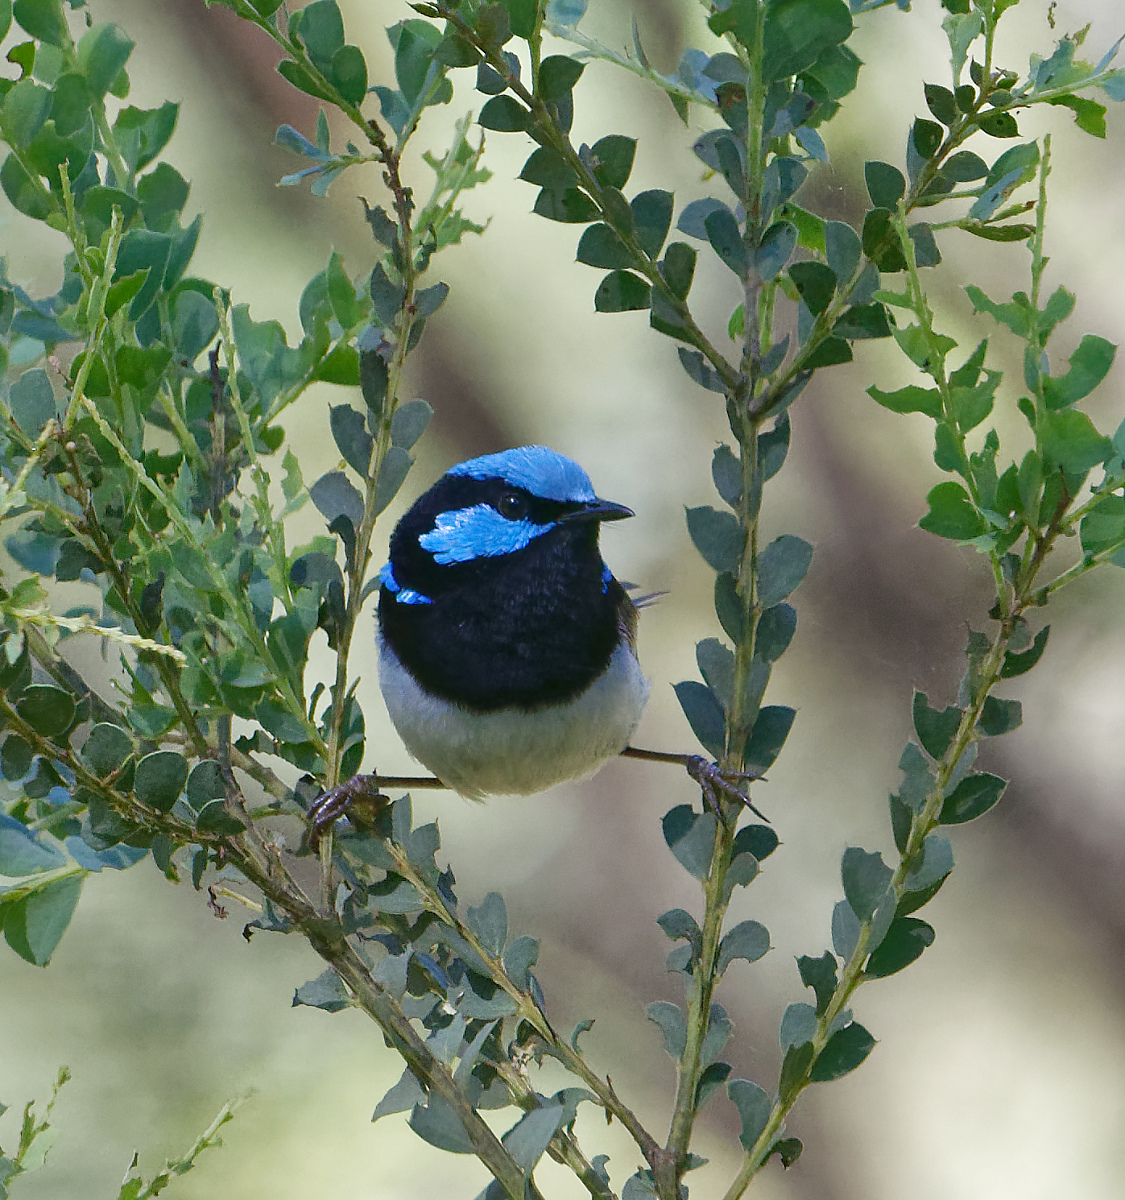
(714, 781)
(342, 801)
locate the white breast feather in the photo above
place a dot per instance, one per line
(510, 752)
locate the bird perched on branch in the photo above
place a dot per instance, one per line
(506, 646)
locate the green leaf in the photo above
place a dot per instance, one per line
(781, 567)
(326, 991)
(410, 422)
(771, 728)
(601, 247)
(726, 474)
(1071, 442)
(754, 1107)
(622, 291)
(1000, 716)
(820, 975)
(726, 240)
(32, 401)
(952, 514)
(843, 250)
(678, 268)
(717, 536)
(776, 627)
(22, 853)
(528, 1139)
(351, 437)
(797, 32)
(548, 169)
(102, 54)
(160, 779)
(558, 75)
(26, 107)
(830, 353)
(392, 474)
(489, 921)
(941, 103)
(816, 283)
(794, 1071)
(747, 940)
(972, 798)
(48, 710)
(673, 1025)
(923, 883)
(846, 1049)
(70, 106)
(194, 320)
(1089, 115)
(691, 837)
(927, 137)
(519, 958)
(348, 71)
(612, 157)
(935, 729)
(505, 114)
(866, 879)
(522, 14)
(106, 748)
(652, 218)
(34, 926)
(886, 185)
(999, 124)
(142, 133)
(43, 19)
(904, 942)
(716, 665)
(334, 495)
(571, 207)
(1020, 664)
(1089, 365)
(214, 818)
(728, 606)
(798, 1022)
(205, 783)
(705, 715)
(439, 1124)
(15, 758)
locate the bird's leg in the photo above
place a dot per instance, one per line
(713, 780)
(359, 791)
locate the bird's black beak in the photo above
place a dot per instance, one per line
(598, 510)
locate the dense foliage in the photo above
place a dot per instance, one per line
(140, 433)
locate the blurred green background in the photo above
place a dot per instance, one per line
(1000, 1071)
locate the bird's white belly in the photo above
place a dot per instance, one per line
(510, 752)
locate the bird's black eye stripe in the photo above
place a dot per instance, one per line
(511, 505)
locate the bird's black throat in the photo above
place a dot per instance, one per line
(523, 630)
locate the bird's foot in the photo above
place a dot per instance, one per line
(359, 792)
(715, 781)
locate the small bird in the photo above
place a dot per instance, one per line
(506, 647)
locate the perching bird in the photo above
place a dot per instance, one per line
(506, 646)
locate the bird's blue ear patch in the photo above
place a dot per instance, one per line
(478, 532)
(401, 594)
(537, 469)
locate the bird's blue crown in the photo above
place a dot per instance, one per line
(537, 469)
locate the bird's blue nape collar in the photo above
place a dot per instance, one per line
(401, 594)
(537, 469)
(463, 534)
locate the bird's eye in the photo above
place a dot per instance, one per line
(511, 505)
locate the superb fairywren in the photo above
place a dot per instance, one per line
(506, 646)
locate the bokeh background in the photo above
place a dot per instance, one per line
(1000, 1069)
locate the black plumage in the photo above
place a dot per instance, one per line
(523, 630)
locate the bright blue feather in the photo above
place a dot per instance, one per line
(401, 594)
(537, 469)
(478, 532)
